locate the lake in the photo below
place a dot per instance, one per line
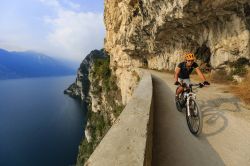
(39, 125)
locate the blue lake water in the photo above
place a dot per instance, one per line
(39, 125)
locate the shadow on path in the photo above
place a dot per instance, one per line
(173, 144)
(232, 102)
(215, 120)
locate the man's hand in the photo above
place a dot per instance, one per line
(206, 83)
(177, 83)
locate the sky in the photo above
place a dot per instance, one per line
(67, 29)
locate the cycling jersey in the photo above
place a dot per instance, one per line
(185, 72)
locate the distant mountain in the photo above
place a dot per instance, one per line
(31, 64)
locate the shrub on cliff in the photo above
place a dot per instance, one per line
(101, 68)
(103, 84)
(101, 71)
(239, 66)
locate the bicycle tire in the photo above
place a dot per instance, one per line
(194, 116)
(178, 105)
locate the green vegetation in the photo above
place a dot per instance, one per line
(221, 76)
(118, 109)
(240, 71)
(85, 149)
(242, 89)
(239, 67)
(102, 72)
(136, 75)
(103, 83)
(98, 126)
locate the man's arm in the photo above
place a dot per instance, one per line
(177, 72)
(198, 71)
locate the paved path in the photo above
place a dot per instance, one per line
(225, 139)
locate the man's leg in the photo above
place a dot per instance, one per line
(178, 91)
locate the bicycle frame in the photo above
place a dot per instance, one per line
(193, 115)
(190, 95)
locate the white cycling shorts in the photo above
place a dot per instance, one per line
(187, 81)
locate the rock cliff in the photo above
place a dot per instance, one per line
(80, 88)
(155, 33)
(96, 85)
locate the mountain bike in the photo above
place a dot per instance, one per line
(187, 101)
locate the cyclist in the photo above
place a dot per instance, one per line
(183, 70)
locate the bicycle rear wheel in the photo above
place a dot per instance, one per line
(178, 103)
(194, 120)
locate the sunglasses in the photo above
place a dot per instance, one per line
(190, 60)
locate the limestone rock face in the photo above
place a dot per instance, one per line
(80, 88)
(127, 78)
(156, 33)
(87, 133)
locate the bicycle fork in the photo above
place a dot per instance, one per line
(193, 96)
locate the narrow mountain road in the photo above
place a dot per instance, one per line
(225, 139)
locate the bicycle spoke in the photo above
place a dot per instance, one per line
(194, 118)
(197, 118)
(196, 126)
(193, 123)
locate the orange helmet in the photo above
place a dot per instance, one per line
(189, 56)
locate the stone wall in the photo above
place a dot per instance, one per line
(129, 140)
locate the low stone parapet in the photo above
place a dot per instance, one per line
(129, 140)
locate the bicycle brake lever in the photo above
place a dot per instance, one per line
(201, 85)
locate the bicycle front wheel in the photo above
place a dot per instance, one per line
(194, 120)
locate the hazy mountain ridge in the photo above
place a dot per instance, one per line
(30, 64)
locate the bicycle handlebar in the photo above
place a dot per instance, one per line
(200, 85)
